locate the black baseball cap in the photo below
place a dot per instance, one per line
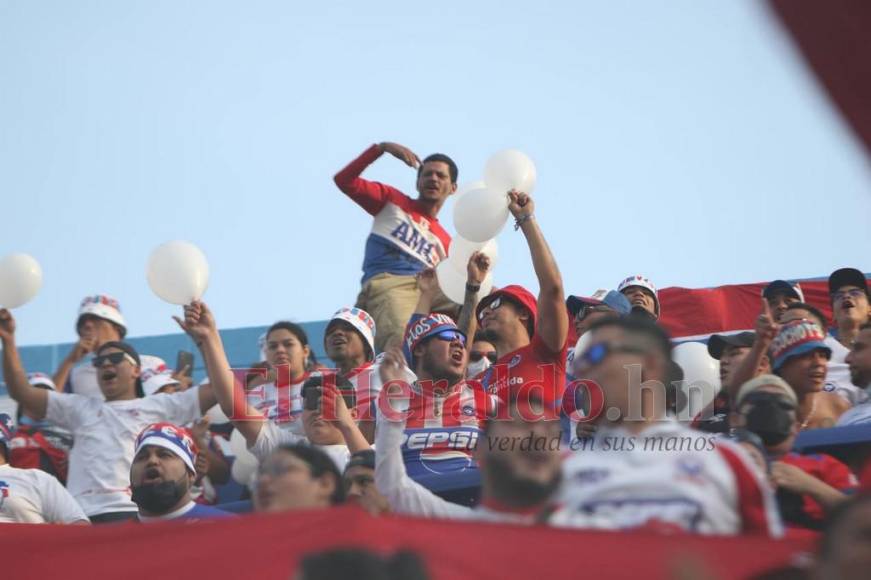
(782, 287)
(847, 277)
(362, 458)
(718, 342)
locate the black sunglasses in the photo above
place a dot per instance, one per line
(114, 358)
(477, 355)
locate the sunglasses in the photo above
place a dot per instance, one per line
(114, 358)
(586, 310)
(597, 353)
(450, 336)
(854, 293)
(493, 305)
(477, 355)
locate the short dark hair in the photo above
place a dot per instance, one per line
(127, 348)
(319, 463)
(817, 313)
(441, 157)
(642, 326)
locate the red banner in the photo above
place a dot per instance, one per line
(270, 546)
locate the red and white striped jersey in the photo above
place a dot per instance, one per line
(666, 478)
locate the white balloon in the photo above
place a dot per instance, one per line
(575, 355)
(701, 376)
(469, 186)
(480, 214)
(510, 169)
(453, 282)
(462, 249)
(244, 469)
(178, 272)
(20, 280)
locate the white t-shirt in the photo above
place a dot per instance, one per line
(271, 436)
(83, 376)
(668, 477)
(838, 374)
(104, 436)
(31, 496)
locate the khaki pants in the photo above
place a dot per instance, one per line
(391, 299)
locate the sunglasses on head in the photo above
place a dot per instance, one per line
(450, 336)
(598, 352)
(114, 358)
(477, 355)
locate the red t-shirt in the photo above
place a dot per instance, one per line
(533, 369)
(827, 469)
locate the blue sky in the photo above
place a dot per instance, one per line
(684, 140)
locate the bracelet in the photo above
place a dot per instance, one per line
(521, 220)
(472, 287)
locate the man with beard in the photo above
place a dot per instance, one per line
(859, 360)
(519, 459)
(162, 474)
(644, 470)
(406, 235)
(104, 430)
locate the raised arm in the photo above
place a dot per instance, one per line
(766, 330)
(476, 271)
(77, 353)
(553, 321)
(34, 400)
(404, 494)
(199, 323)
(428, 285)
(371, 195)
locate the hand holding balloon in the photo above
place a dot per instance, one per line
(178, 272)
(20, 280)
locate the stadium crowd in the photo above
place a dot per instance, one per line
(483, 410)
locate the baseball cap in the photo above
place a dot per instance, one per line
(847, 277)
(422, 328)
(517, 294)
(718, 342)
(362, 322)
(102, 306)
(765, 380)
(176, 439)
(643, 282)
(155, 378)
(610, 298)
(362, 458)
(783, 287)
(41, 380)
(796, 338)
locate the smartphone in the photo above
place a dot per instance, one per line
(185, 359)
(312, 391)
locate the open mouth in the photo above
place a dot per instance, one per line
(338, 341)
(108, 375)
(152, 476)
(457, 355)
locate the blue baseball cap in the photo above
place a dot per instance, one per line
(614, 300)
